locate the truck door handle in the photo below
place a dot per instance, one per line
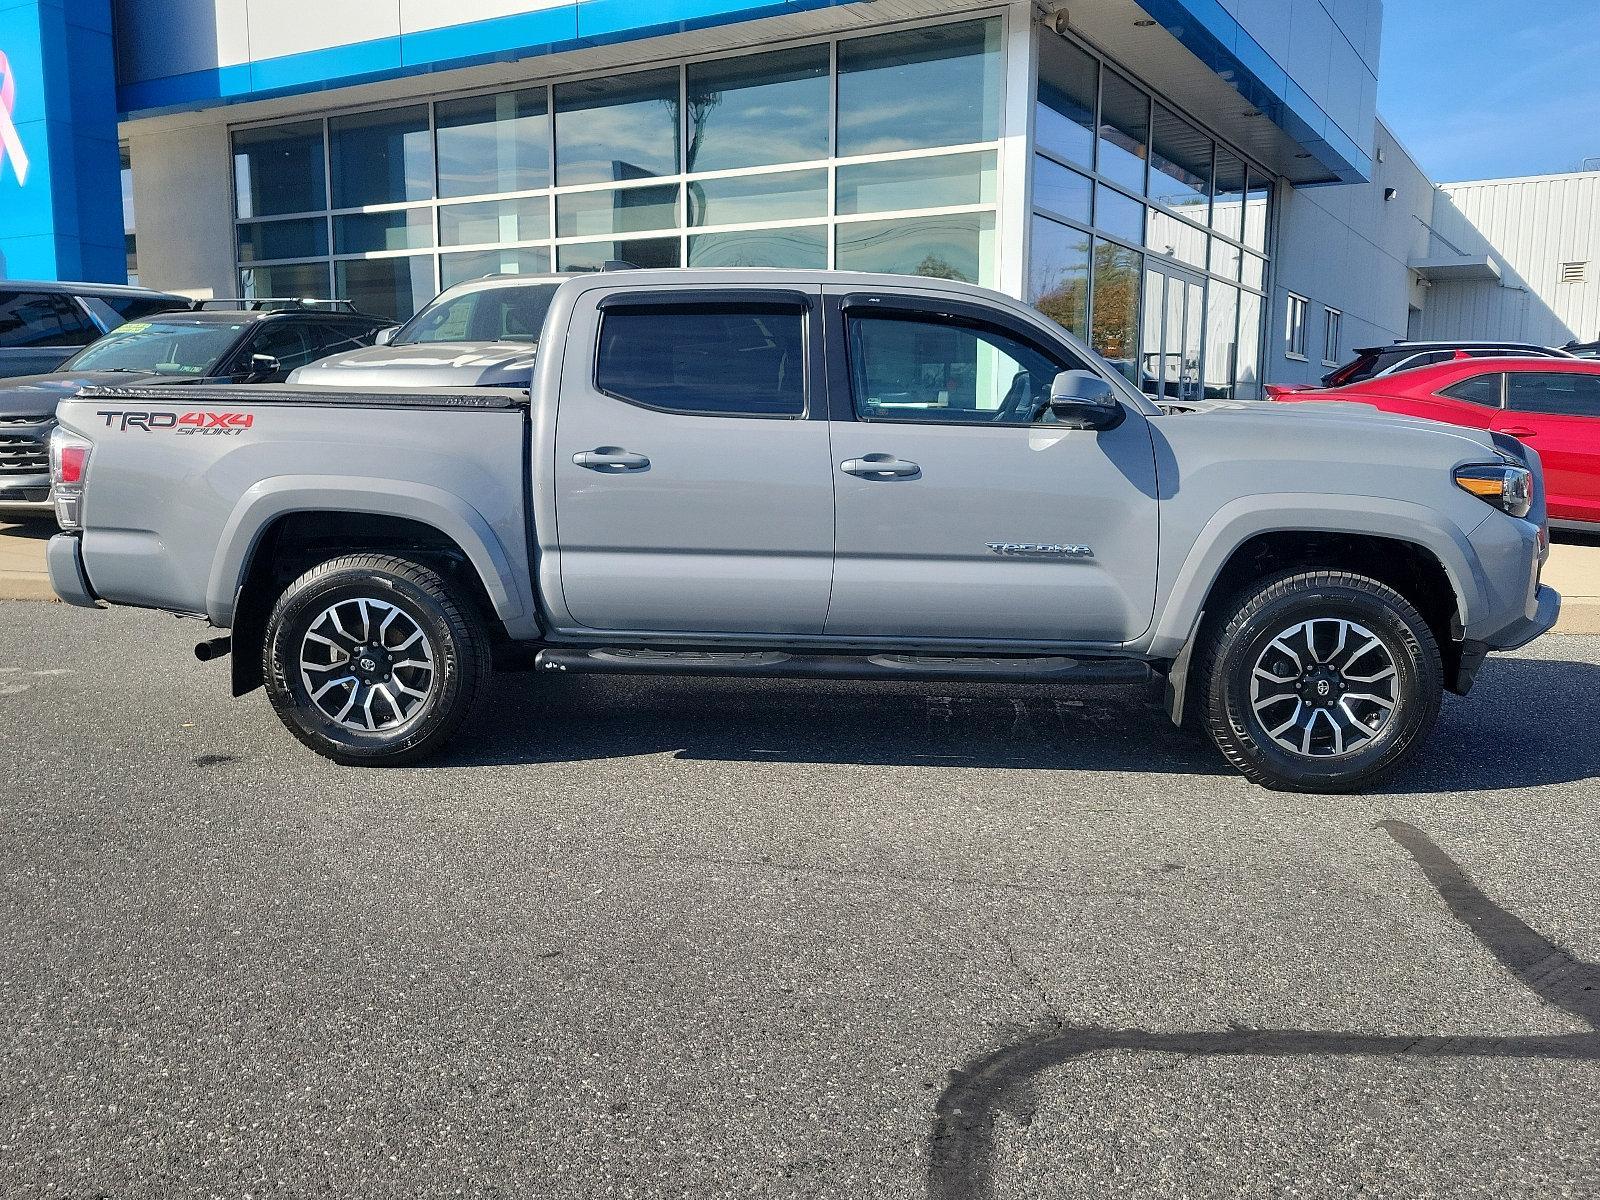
(612, 460)
(880, 466)
(1520, 431)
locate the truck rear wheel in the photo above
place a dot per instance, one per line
(1320, 681)
(374, 661)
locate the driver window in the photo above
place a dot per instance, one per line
(909, 368)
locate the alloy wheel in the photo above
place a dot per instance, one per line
(367, 665)
(1324, 688)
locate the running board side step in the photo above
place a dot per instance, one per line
(780, 665)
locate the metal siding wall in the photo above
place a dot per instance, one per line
(1534, 225)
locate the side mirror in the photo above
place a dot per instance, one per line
(264, 364)
(1082, 400)
(385, 335)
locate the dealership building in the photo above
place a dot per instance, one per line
(1201, 188)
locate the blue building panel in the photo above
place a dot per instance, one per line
(60, 194)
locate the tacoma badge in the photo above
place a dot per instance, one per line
(1041, 549)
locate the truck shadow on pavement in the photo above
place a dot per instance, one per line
(961, 1160)
(1514, 732)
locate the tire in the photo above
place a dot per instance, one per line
(411, 648)
(1319, 681)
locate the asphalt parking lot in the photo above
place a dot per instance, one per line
(679, 938)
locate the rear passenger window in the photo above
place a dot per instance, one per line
(36, 319)
(1480, 389)
(137, 308)
(1566, 394)
(734, 360)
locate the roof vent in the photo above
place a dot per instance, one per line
(1574, 272)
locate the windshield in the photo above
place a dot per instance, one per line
(499, 314)
(160, 348)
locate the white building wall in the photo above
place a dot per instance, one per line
(1534, 226)
(1348, 248)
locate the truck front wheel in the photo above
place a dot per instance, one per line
(1320, 681)
(374, 661)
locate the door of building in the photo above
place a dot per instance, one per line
(1174, 312)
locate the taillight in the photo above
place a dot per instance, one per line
(69, 465)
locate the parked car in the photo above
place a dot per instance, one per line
(1554, 404)
(44, 324)
(241, 347)
(1374, 362)
(806, 473)
(483, 333)
(1589, 350)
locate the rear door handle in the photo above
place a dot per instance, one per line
(611, 460)
(880, 466)
(1520, 431)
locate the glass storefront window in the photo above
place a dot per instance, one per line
(758, 111)
(1254, 272)
(1114, 330)
(622, 210)
(1222, 340)
(618, 128)
(959, 246)
(641, 252)
(1248, 376)
(1180, 166)
(805, 246)
(1124, 131)
(279, 170)
(306, 238)
(286, 280)
(1256, 202)
(1177, 239)
(491, 144)
(1058, 275)
(752, 199)
(386, 287)
(524, 219)
(381, 157)
(1064, 192)
(1227, 208)
(1064, 116)
(399, 229)
(936, 86)
(475, 264)
(1117, 215)
(1226, 258)
(903, 183)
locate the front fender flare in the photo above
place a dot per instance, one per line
(283, 495)
(1240, 520)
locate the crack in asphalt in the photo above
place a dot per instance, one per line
(961, 1144)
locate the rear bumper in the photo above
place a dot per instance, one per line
(64, 561)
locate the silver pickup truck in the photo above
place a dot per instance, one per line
(810, 474)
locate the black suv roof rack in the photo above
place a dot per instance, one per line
(277, 304)
(619, 264)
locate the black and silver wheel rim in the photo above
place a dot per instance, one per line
(367, 665)
(1324, 688)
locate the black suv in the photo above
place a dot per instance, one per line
(205, 346)
(44, 324)
(1372, 361)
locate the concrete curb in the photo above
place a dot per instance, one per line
(26, 587)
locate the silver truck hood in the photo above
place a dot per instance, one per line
(422, 365)
(1320, 419)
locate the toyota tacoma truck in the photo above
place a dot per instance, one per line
(813, 475)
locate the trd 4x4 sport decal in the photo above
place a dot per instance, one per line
(209, 423)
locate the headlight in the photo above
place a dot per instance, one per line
(1508, 488)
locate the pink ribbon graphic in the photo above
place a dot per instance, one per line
(10, 139)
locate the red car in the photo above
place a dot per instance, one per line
(1553, 404)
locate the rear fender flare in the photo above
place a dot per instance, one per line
(284, 495)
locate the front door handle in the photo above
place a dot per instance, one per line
(1520, 431)
(880, 466)
(611, 460)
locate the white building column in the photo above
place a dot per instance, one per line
(1016, 148)
(183, 206)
